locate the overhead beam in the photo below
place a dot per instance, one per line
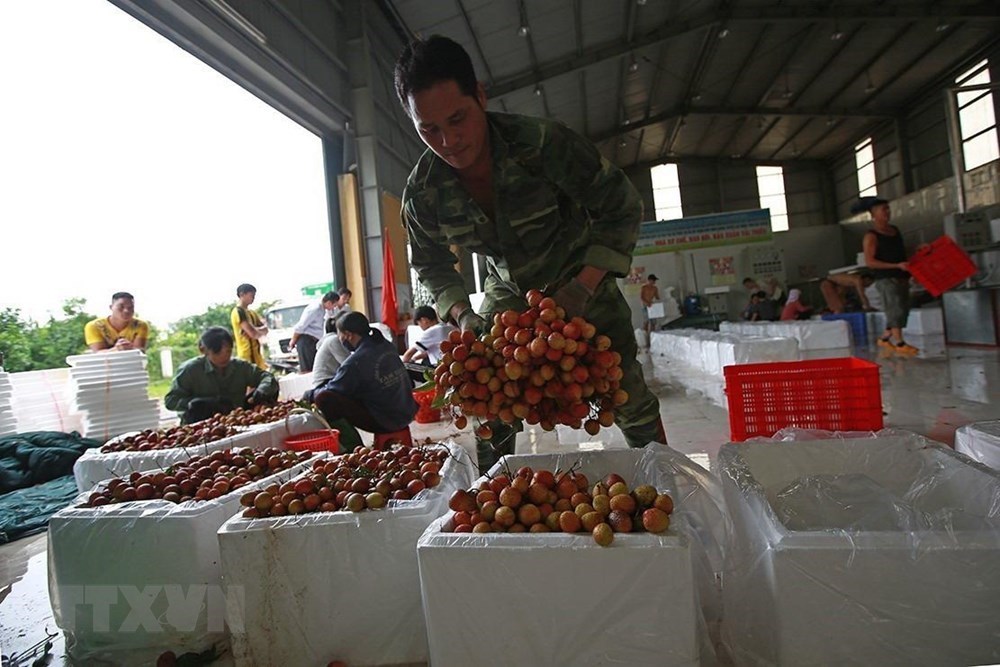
(781, 13)
(804, 112)
(707, 48)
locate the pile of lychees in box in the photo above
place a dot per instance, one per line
(202, 477)
(200, 433)
(365, 479)
(540, 501)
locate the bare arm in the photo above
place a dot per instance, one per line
(414, 354)
(251, 331)
(120, 344)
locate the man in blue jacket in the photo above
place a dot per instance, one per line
(371, 390)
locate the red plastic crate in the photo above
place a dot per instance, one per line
(315, 441)
(425, 413)
(842, 394)
(941, 266)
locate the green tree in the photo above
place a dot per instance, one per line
(182, 336)
(15, 340)
(60, 338)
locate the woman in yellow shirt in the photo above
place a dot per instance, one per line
(119, 331)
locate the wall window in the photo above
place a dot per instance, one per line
(977, 119)
(864, 158)
(666, 192)
(771, 189)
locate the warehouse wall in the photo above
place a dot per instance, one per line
(716, 187)
(910, 156)
(398, 144)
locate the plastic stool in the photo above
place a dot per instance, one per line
(402, 435)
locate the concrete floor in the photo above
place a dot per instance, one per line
(932, 395)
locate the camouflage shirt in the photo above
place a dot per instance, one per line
(558, 206)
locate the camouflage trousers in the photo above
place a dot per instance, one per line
(639, 417)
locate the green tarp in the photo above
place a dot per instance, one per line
(36, 478)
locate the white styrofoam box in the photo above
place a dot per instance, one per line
(95, 466)
(920, 587)
(130, 581)
(292, 386)
(333, 585)
(106, 358)
(560, 599)
(923, 321)
(980, 441)
(811, 334)
(710, 351)
(41, 401)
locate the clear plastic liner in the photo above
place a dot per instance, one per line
(95, 466)
(333, 585)
(853, 502)
(557, 598)
(129, 581)
(980, 442)
(874, 550)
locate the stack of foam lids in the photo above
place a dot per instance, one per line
(8, 424)
(40, 401)
(111, 390)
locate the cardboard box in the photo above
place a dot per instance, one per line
(906, 571)
(333, 585)
(560, 599)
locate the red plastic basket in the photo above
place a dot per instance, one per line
(841, 394)
(425, 413)
(315, 441)
(941, 266)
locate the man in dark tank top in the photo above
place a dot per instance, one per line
(886, 257)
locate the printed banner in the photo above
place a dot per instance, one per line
(704, 231)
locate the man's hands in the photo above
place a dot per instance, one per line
(469, 320)
(574, 297)
(257, 398)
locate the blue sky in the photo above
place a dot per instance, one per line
(128, 164)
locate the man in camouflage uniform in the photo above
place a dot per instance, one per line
(536, 199)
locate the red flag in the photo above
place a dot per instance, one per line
(390, 307)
